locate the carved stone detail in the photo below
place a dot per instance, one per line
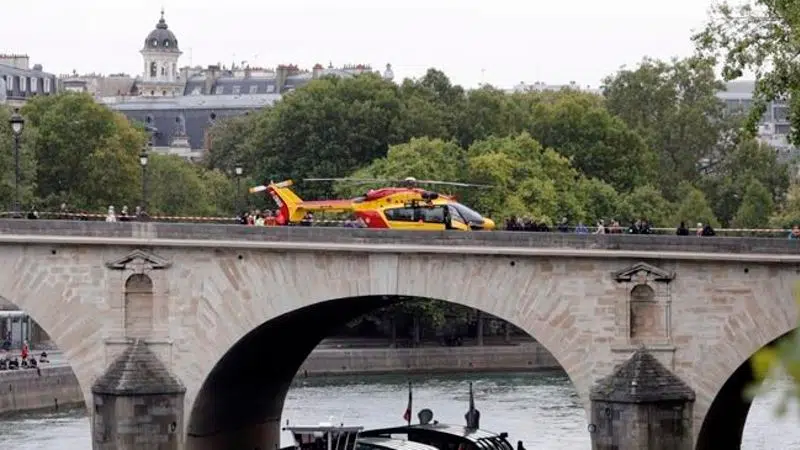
(642, 272)
(139, 261)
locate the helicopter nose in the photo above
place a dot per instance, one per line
(488, 224)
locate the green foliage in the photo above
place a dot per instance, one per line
(750, 160)
(755, 208)
(228, 146)
(600, 145)
(780, 358)
(86, 154)
(758, 36)
(329, 128)
(180, 188)
(693, 207)
(646, 202)
(674, 107)
(7, 165)
(789, 215)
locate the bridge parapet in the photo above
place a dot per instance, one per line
(298, 234)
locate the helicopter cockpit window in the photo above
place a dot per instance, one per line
(468, 214)
(455, 215)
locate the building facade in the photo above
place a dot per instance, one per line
(179, 105)
(19, 82)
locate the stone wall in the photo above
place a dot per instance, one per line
(26, 390)
(530, 356)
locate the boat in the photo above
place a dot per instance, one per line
(427, 435)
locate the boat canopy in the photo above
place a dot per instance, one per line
(429, 433)
(382, 443)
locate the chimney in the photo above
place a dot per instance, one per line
(247, 72)
(281, 73)
(211, 77)
(317, 71)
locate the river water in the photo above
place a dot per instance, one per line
(540, 409)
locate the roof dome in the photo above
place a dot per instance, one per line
(161, 38)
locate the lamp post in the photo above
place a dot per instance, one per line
(143, 162)
(17, 124)
(238, 170)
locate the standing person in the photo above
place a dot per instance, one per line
(25, 351)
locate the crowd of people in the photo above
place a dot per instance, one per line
(10, 361)
(641, 226)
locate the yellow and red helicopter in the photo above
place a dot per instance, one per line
(407, 207)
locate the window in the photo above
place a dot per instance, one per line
(47, 85)
(166, 43)
(782, 128)
(455, 215)
(34, 84)
(781, 113)
(10, 83)
(254, 89)
(432, 214)
(237, 90)
(163, 70)
(153, 69)
(219, 90)
(23, 84)
(196, 91)
(163, 93)
(400, 214)
(271, 88)
(468, 214)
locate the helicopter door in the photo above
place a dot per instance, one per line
(433, 217)
(404, 218)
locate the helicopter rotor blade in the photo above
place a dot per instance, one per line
(385, 180)
(453, 183)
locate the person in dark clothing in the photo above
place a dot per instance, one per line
(708, 230)
(644, 227)
(682, 230)
(563, 227)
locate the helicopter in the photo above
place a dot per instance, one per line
(406, 207)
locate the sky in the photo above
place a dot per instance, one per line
(501, 42)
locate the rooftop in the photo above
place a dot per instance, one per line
(641, 379)
(137, 371)
(239, 101)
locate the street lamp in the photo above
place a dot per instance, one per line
(238, 170)
(17, 124)
(143, 162)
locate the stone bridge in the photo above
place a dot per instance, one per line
(231, 312)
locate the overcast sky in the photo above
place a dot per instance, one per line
(501, 42)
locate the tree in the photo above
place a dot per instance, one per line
(429, 107)
(750, 160)
(86, 154)
(758, 36)
(693, 207)
(181, 188)
(228, 143)
(600, 145)
(789, 215)
(329, 128)
(646, 202)
(756, 207)
(7, 165)
(675, 108)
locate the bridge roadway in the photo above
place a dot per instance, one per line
(212, 300)
(323, 239)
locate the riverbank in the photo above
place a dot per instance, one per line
(507, 358)
(56, 387)
(53, 389)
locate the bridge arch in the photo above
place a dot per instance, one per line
(725, 372)
(9, 305)
(259, 364)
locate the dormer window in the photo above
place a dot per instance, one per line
(166, 43)
(237, 90)
(155, 42)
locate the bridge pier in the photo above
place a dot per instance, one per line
(138, 404)
(641, 406)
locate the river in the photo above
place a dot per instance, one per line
(540, 409)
